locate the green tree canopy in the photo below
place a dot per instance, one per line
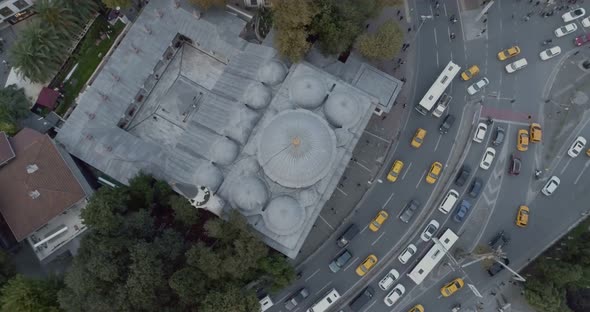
(22, 294)
(292, 20)
(207, 4)
(118, 3)
(382, 45)
(14, 106)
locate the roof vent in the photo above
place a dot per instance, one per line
(32, 168)
(34, 194)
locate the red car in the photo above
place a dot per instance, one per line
(582, 39)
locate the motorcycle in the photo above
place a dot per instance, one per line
(548, 41)
(538, 174)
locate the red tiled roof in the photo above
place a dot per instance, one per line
(48, 98)
(57, 187)
(6, 151)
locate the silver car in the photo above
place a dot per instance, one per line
(476, 87)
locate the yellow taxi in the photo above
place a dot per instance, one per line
(418, 138)
(396, 169)
(536, 133)
(470, 72)
(417, 308)
(588, 152)
(522, 217)
(375, 225)
(452, 287)
(434, 172)
(367, 265)
(508, 53)
(522, 141)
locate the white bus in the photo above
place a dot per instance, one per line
(433, 257)
(437, 89)
(326, 302)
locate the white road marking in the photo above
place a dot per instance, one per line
(582, 172)
(367, 309)
(445, 8)
(312, 274)
(378, 238)
(435, 39)
(284, 297)
(387, 202)
(374, 135)
(351, 263)
(319, 291)
(409, 166)
(326, 222)
(565, 166)
(366, 226)
(437, 64)
(341, 191)
(462, 27)
(363, 166)
(507, 121)
(421, 177)
(437, 142)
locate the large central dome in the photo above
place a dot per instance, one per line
(296, 148)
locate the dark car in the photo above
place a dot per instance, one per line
(514, 165)
(447, 124)
(499, 136)
(476, 187)
(462, 210)
(497, 268)
(463, 175)
(340, 261)
(295, 299)
(362, 299)
(499, 240)
(348, 235)
(409, 210)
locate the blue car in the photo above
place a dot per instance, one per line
(462, 211)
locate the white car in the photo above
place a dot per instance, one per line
(565, 30)
(516, 65)
(429, 230)
(476, 87)
(551, 186)
(488, 158)
(586, 22)
(405, 256)
(480, 133)
(387, 281)
(550, 53)
(576, 147)
(394, 295)
(573, 15)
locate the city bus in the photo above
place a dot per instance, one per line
(437, 89)
(326, 302)
(433, 256)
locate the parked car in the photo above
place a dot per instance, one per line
(340, 261)
(573, 15)
(362, 299)
(446, 124)
(565, 30)
(476, 187)
(499, 241)
(394, 295)
(476, 87)
(497, 267)
(487, 158)
(463, 175)
(577, 147)
(407, 254)
(551, 186)
(297, 298)
(515, 165)
(429, 230)
(508, 53)
(550, 53)
(387, 281)
(462, 211)
(480, 133)
(499, 136)
(348, 235)
(586, 22)
(516, 65)
(409, 211)
(582, 39)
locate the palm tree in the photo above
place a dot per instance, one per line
(82, 9)
(58, 17)
(14, 106)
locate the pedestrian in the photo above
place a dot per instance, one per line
(452, 36)
(403, 79)
(485, 20)
(398, 12)
(404, 106)
(399, 60)
(383, 117)
(409, 29)
(401, 17)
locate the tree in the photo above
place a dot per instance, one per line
(184, 212)
(544, 295)
(280, 272)
(230, 299)
(291, 20)
(382, 45)
(103, 212)
(14, 106)
(22, 294)
(207, 4)
(118, 3)
(7, 269)
(579, 299)
(57, 17)
(188, 283)
(82, 9)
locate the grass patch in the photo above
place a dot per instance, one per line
(89, 54)
(390, 3)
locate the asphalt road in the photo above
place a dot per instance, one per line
(510, 99)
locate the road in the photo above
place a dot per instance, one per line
(513, 100)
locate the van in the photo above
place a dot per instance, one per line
(449, 202)
(265, 303)
(442, 105)
(348, 235)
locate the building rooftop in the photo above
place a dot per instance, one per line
(185, 99)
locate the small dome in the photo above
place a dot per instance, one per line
(272, 73)
(343, 137)
(308, 197)
(249, 193)
(307, 91)
(208, 175)
(223, 151)
(284, 215)
(342, 110)
(257, 96)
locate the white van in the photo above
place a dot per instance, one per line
(449, 202)
(265, 303)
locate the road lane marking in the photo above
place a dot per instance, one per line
(378, 137)
(320, 291)
(312, 274)
(341, 191)
(409, 166)
(582, 172)
(437, 63)
(378, 238)
(363, 166)
(326, 222)
(366, 226)
(351, 263)
(445, 8)
(437, 142)
(421, 178)
(565, 166)
(435, 39)
(387, 202)
(367, 309)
